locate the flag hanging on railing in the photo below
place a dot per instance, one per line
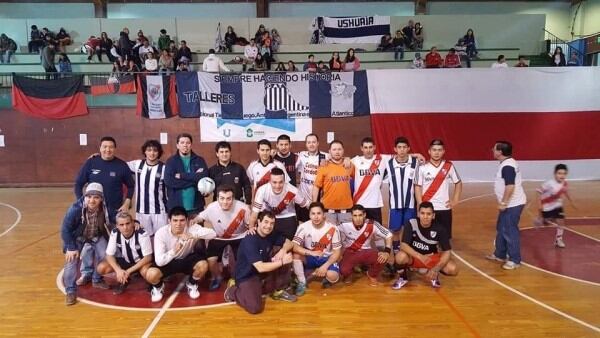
(156, 98)
(58, 98)
(112, 84)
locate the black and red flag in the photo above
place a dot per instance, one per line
(112, 84)
(156, 97)
(59, 98)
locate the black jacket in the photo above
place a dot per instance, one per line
(233, 174)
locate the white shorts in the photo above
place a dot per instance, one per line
(338, 217)
(152, 222)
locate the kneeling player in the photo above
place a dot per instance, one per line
(356, 240)
(317, 246)
(419, 248)
(134, 252)
(174, 253)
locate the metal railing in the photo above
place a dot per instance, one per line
(553, 41)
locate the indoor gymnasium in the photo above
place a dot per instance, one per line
(407, 168)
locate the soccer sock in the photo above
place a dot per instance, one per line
(396, 245)
(559, 232)
(193, 280)
(159, 285)
(299, 270)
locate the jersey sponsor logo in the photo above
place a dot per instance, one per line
(369, 172)
(96, 171)
(337, 179)
(420, 245)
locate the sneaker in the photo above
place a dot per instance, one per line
(83, 280)
(325, 284)
(300, 289)
(120, 289)
(399, 283)
(156, 294)
(373, 280)
(192, 290)
(71, 299)
(559, 243)
(101, 285)
(493, 257)
(284, 296)
(435, 283)
(510, 265)
(215, 284)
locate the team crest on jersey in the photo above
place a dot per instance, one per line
(138, 247)
(96, 171)
(433, 234)
(236, 180)
(139, 171)
(113, 174)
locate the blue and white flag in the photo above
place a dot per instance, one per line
(273, 95)
(355, 29)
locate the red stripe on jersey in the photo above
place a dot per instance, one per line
(325, 240)
(556, 196)
(235, 224)
(287, 199)
(362, 238)
(437, 181)
(364, 184)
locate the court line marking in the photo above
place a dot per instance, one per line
(458, 313)
(531, 299)
(61, 287)
(582, 234)
(18, 212)
(164, 309)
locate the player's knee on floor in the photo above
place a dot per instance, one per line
(104, 268)
(451, 269)
(332, 276)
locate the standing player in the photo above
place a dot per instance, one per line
(285, 156)
(306, 166)
(150, 210)
(356, 240)
(368, 176)
(419, 248)
(317, 245)
(278, 197)
(334, 180)
(229, 218)
(225, 171)
(435, 178)
(551, 203)
(259, 171)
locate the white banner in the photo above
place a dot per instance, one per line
(354, 29)
(217, 129)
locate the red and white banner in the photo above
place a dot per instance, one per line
(549, 114)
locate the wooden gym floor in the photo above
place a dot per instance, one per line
(483, 301)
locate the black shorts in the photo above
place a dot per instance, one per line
(217, 246)
(286, 226)
(123, 263)
(444, 218)
(302, 214)
(184, 265)
(557, 213)
(374, 214)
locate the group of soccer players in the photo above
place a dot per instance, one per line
(285, 215)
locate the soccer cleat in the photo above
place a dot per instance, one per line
(559, 243)
(493, 257)
(284, 296)
(83, 280)
(215, 284)
(399, 283)
(71, 299)
(192, 290)
(156, 295)
(435, 283)
(510, 265)
(300, 289)
(101, 285)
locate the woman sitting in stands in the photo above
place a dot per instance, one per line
(280, 67)
(64, 64)
(469, 42)
(64, 39)
(132, 67)
(106, 45)
(351, 62)
(558, 58)
(166, 64)
(335, 64)
(230, 39)
(150, 64)
(291, 66)
(418, 36)
(259, 64)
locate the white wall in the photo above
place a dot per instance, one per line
(312, 9)
(590, 17)
(46, 10)
(182, 10)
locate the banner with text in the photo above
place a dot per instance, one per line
(217, 129)
(355, 29)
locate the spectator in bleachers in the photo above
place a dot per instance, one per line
(276, 40)
(280, 67)
(115, 53)
(386, 43)
(433, 59)
(172, 49)
(150, 62)
(418, 36)
(398, 43)
(64, 64)
(125, 46)
(452, 60)
(213, 63)
(184, 53)
(259, 34)
(322, 67)
(335, 64)
(522, 62)
(573, 60)
(48, 36)
(145, 48)
(36, 41)
(230, 39)
(166, 64)
(469, 41)
(47, 56)
(64, 39)
(119, 66)
(310, 65)
(163, 40)
(291, 66)
(351, 62)
(132, 67)
(184, 66)
(8, 47)
(259, 64)
(417, 62)
(501, 63)
(91, 46)
(250, 53)
(409, 34)
(558, 58)
(461, 51)
(141, 38)
(104, 47)
(265, 49)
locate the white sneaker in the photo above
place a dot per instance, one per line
(156, 294)
(559, 243)
(493, 257)
(192, 290)
(510, 265)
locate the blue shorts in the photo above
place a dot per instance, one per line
(399, 217)
(316, 262)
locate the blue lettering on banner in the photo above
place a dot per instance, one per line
(283, 124)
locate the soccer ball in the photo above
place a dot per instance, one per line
(206, 185)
